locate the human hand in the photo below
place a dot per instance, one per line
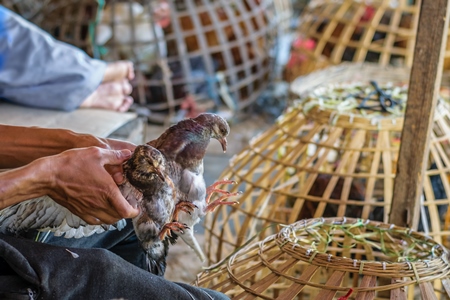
(116, 171)
(118, 70)
(115, 144)
(80, 182)
(113, 93)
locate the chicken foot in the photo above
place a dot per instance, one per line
(226, 194)
(172, 226)
(183, 205)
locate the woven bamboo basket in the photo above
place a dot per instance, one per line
(29, 9)
(381, 31)
(213, 52)
(326, 258)
(189, 55)
(326, 162)
(70, 21)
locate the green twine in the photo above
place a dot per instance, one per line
(96, 50)
(385, 240)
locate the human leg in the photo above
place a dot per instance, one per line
(54, 272)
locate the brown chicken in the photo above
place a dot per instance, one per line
(184, 145)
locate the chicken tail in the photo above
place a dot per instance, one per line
(189, 238)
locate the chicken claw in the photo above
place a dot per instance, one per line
(212, 189)
(186, 206)
(172, 226)
(213, 205)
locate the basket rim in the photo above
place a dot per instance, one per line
(420, 270)
(352, 120)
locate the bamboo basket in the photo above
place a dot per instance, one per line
(324, 258)
(28, 9)
(380, 31)
(327, 162)
(213, 52)
(70, 21)
(210, 55)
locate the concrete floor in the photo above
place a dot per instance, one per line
(183, 264)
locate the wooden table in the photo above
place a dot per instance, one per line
(98, 122)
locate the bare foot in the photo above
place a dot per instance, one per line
(111, 95)
(114, 91)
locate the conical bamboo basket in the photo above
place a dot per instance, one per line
(326, 162)
(379, 31)
(326, 258)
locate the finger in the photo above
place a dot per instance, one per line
(119, 144)
(115, 157)
(118, 177)
(109, 216)
(126, 104)
(127, 88)
(118, 70)
(130, 74)
(122, 207)
(116, 102)
(113, 169)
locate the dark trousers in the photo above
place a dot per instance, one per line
(33, 270)
(121, 242)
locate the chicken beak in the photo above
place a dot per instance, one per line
(157, 170)
(160, 174)
(223, 142)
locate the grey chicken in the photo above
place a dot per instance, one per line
(149, 188)
(184, 145)
(146, 186)
(46, 215)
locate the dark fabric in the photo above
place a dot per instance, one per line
(33, 270)
(121, 242)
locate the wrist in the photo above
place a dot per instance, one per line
(24, 183)
(44, 175)
(80, 140)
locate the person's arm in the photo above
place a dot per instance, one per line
(21, 145)
(76, 179)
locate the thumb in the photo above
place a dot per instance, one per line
(122, 206)
(116, 157)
